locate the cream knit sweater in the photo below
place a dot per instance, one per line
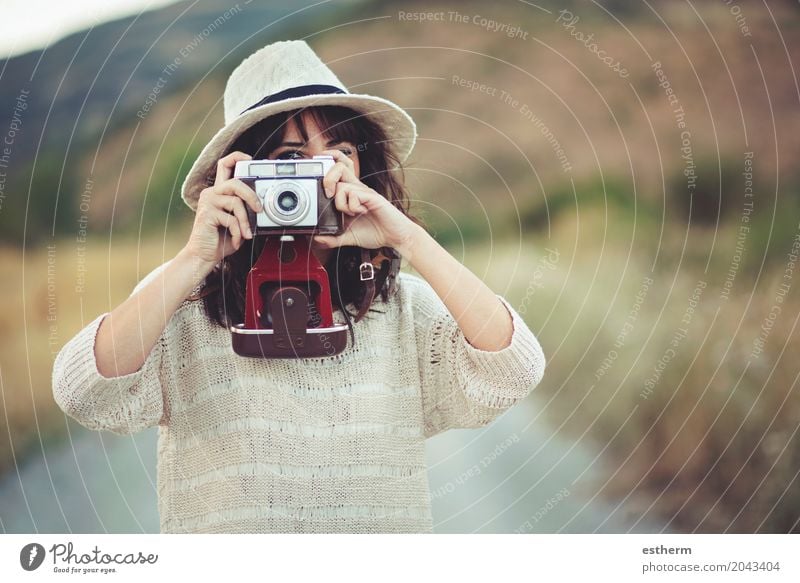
(332, 444)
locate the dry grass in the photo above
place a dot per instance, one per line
(714, 446)
(34, 329)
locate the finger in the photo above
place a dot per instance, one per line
(340, 198)
(338, 172)
(226, 164)
(235, 205)
(327, 241)
(340, 156)
(354, 201)
(333, 241)
(331, 178)
(229, 222)
(236, 187)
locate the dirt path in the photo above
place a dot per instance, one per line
(513, 476)
(517, 475)
(93, 482)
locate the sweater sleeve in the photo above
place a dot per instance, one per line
(123, 404)
(463, 386)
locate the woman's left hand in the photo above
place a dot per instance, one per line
(370, 220)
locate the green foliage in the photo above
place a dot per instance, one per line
(720, 213)
(615, 192)
(161, 202)
(38, 201)
(591, 196)
(458, 231)
(717, 192)
(774, 225)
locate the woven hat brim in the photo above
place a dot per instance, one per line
(396, 123)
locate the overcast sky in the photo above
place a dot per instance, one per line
(33, 24)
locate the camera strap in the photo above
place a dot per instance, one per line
(366, 272)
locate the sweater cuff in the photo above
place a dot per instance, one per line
(500, 378)
(98, 401)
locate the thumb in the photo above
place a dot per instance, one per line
(329, 241)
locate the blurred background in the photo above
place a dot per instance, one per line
(624, 173)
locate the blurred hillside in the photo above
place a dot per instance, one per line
(91, 89)
(492, 110)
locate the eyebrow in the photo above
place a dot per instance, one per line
(301, 144)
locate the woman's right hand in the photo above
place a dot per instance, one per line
(221, 223)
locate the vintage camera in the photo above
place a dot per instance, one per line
(293, 196)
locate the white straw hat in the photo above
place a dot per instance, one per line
(280, 77)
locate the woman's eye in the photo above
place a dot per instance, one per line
(346, 150)
(290, 155)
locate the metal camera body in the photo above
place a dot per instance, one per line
(288, 308)
(293, 196)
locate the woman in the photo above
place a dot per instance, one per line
(330, 444)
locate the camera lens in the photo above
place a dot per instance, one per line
(287, 201)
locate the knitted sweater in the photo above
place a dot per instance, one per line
(332, 444)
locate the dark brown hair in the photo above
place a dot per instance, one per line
(223, 294)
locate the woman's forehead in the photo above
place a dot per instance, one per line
(301, 127)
